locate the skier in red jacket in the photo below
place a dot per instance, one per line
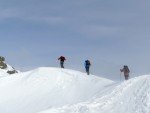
(62, 59)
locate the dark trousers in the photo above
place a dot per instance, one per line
(126, 77)
(61, 64)
(87, 70)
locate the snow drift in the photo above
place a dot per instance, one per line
(132, 96)
(43, 88)
(55, 90)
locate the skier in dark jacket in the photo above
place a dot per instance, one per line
(87, 65)
(126, 72)
(62, 59)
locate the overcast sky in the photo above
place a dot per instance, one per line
(110, 33)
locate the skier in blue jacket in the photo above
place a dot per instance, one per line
(87, 65)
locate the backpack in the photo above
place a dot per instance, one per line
(87, 63)
(62, 58)
(126, 69)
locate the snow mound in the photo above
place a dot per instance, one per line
(132, 96)
(43, 88)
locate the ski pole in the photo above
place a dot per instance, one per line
(120, 76)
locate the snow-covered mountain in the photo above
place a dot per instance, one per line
(55, 90)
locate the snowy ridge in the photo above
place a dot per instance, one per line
(131, 96)
(42, 88)
(55, 90)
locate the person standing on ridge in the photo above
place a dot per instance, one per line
(126, 72)
(87, 65)
(62, 59)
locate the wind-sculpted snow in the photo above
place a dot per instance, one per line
(55, 90)
(132, 96)
(44, 88)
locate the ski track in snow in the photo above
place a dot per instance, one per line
(132, 96)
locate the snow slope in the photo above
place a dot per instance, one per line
(132, 96)
(55, 90)
(44, 88)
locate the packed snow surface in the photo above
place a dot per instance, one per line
(55, 90)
